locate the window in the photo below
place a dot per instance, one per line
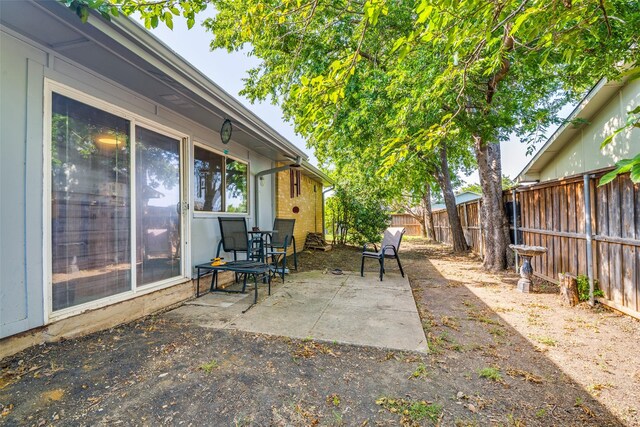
(209, 182)
(236, 186)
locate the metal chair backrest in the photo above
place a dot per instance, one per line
(284, 228)
(234, 234)
(392, 236)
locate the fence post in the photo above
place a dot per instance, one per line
(588, 232)
(466, 225)
(515, 224)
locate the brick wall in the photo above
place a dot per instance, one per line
(309, 217)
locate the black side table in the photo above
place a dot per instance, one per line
(254, 268)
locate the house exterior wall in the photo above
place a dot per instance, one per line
(309, 218)
(25, 67)
(21, 186)
(583, 153)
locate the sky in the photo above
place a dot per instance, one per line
(228, 69)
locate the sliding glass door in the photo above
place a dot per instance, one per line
(90, 203)
(116, 187)
(158, 219)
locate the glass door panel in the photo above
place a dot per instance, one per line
(90, 203)
(158, 217)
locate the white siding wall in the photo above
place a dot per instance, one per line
(583, 153)
(23, 71)
(21, 86)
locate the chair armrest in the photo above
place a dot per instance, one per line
(364, 248)
(219, 247)
(384, 250)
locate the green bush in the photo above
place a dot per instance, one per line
(583, 288)
(356, 218)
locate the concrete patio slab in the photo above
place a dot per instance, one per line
(345, 308)
(342, 308)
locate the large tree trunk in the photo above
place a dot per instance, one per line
(444, 179)
(429, 231)
(495, 226)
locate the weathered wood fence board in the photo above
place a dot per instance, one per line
(552, 215)
(411, 225)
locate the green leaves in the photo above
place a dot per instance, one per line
(622, 167)
(633, 120)
(373, 9)
(423, 10)
(387, 82)
(152, 12)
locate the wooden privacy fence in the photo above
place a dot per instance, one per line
(411, 225)
(552, 214)
(469, 213)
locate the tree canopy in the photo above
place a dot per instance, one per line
(389, 85)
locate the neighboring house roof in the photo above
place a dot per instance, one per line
(583, 113)
(130, 56)
(467, 196)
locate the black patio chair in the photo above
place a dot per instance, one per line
(389, 249)
(279, 243)
(234, 239)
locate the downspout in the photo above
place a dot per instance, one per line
(588, 232)
(515, 224)
(323, 193)
(269, 172)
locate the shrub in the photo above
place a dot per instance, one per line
(583, 288)
(356, 218)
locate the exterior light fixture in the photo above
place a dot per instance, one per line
(109, 141)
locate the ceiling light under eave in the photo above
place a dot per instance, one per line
(109, 141)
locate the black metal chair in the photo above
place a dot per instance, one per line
(279, 243)
(234, 239)
(389, 249)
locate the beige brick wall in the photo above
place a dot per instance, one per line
(309, 218)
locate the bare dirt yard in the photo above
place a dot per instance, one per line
(498, 357)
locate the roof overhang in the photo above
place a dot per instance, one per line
(127, 54)
(316, 173)
(590, 105)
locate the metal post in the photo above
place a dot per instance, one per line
(323, 213)
(515, 224)
(588, 232)
(257, 184)
(480, 229)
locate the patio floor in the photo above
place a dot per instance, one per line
(337, 308)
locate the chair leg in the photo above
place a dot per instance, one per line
(381, 267)
(269, 283)
(284, 265)
(362, 267)
(295, 254)
(400, 265)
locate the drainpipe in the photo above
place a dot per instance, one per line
(515, 224)
(588, 232)
(269, 172)
(323, 193)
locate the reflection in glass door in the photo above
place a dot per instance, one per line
(158, 218)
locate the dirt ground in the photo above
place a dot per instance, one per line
(498, 357)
